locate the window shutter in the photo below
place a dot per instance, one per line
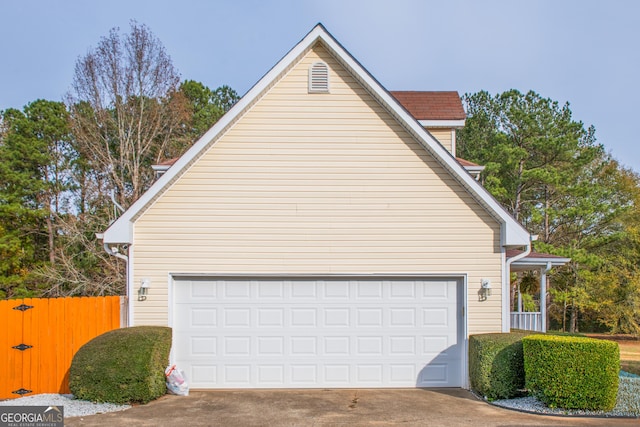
(319, 78)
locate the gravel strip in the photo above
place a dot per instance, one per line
(627, 405)
(72, 407)
(531, 404)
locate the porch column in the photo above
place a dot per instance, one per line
(543, 296)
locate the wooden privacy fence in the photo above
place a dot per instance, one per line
(40, 336)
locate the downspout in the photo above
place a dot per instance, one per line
(527, 251)
(114, 252)
(115, 203)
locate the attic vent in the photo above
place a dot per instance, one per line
(319, 78)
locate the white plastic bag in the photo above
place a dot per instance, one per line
(176, 381)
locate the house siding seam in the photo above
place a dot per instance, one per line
(307, 184)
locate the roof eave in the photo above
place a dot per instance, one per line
(476, 169)
(537, 263)
(457, 124)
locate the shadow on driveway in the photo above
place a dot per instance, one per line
(408, 407)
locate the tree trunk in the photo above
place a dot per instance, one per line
(516, 212)
(546, 214)
(573, 322)
(52, 253)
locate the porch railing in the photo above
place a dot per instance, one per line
(529, 321)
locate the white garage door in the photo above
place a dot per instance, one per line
(317, 333)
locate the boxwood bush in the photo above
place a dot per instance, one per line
(122, 366)
(572, 372)
(496, 364)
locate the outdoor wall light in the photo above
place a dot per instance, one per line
(486, 286)
(144, 287)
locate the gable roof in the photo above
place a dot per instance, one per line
(432, 107)
(512, 232)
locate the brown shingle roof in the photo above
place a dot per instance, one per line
(169, 162)
(464, 162)
(431, 105)
(510, 253)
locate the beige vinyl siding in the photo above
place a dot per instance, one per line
(317, 184)
(443, 135)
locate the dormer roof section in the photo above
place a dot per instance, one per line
(433, 109)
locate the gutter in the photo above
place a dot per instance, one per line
(116, 253)
(533, 238)
(110, 250)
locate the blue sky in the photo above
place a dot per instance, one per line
(585, 52)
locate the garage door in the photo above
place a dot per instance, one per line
(317, 333)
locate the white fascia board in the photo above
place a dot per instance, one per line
(513, 233)
(476, 169)
(540, 262)
(442, 123)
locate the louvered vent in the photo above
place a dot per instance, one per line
(319, 78)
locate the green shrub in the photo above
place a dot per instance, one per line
(496, 364)
(122, 366)
(572, 372)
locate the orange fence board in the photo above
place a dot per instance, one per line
(55, 328)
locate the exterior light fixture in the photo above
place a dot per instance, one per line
(486, 286)
(144, 287)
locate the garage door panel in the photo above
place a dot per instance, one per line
(270, 346)
(196, 291)
(303, 317)
(303, 290)
(338, 317)
(434, 344)
(402, 289)
(270, 290)
(272, 375)
(237, 290)
(402, 345)
(437, 291)
(369, 290)
(338, 290)
(436, 317)
(336, 345)
(317, 333)
(206, 374)
(337, 373)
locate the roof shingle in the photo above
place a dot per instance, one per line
(425, 105)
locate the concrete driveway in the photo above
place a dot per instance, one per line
(408, 407)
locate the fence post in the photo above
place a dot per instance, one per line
(124, 312)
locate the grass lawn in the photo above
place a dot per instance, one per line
(629, 351)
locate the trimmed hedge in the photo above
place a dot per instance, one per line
(496, 364)
(122, 366)
(572, 372)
